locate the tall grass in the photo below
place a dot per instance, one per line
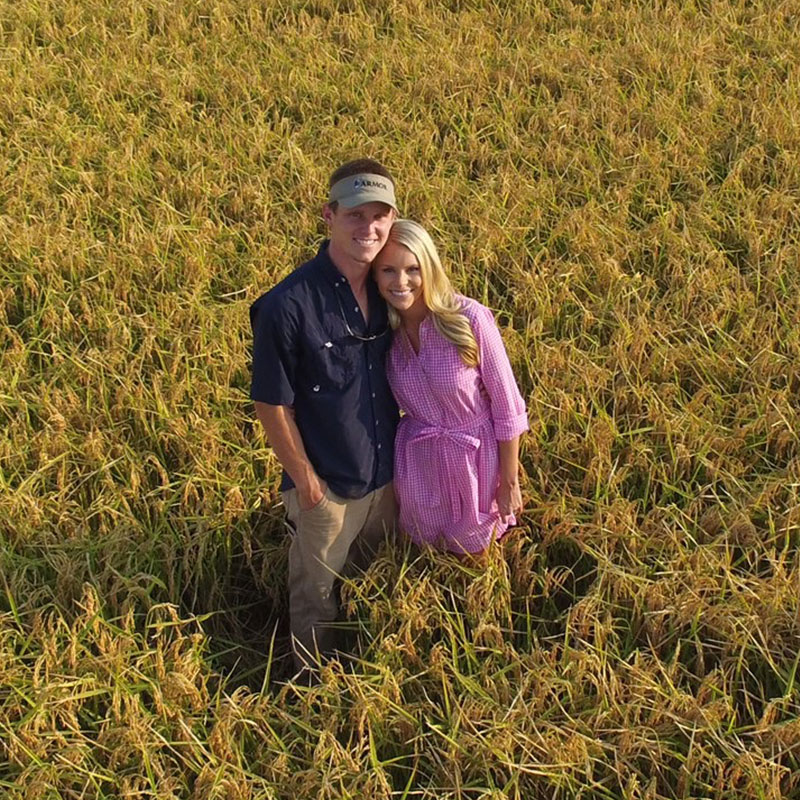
(619, 181)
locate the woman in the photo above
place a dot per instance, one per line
(456, 451)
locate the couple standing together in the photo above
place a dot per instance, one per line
(369, 324)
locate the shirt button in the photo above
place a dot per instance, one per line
(373, 394)
(370, 366)
(356, 309)
(379, 447)
(316, 389)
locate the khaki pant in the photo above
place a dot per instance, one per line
(336, 537)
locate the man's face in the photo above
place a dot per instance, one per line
(359, 233)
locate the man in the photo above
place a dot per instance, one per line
(320, 391)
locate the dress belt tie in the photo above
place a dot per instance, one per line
(432, 490)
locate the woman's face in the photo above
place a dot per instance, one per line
(399, 278)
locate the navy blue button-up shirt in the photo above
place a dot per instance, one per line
(305, 357)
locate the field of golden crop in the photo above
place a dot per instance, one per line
(620, 181)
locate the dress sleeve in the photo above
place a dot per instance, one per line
(508, 408)
(275, 352)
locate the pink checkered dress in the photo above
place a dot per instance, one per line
(446, 456)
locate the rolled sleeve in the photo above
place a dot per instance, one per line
(275, 355)
(509, 416)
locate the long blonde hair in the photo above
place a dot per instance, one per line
(437, 292)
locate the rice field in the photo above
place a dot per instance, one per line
(619, 181)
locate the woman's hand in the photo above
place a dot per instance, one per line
(509, 498)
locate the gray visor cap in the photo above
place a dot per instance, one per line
(363, 188)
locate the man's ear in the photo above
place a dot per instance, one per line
(327, 213)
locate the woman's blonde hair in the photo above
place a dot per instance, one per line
(437, 292)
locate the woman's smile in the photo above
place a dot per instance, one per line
(399, 277)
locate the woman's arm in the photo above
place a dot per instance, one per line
(509, 495)
(508, 408)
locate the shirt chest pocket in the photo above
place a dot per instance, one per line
(332, 363)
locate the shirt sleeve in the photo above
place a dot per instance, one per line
(275, 352)
(509, 416)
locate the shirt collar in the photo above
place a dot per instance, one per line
(326, 266)
(331, 274)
